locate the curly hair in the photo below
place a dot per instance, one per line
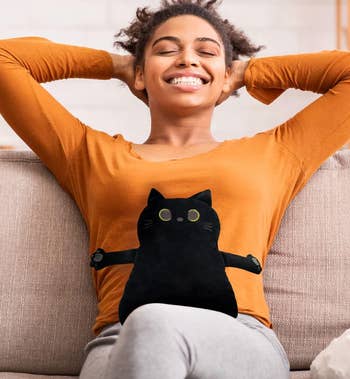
(142, 28)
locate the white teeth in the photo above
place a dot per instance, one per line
(187, 80)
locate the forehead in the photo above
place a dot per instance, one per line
(187, 28)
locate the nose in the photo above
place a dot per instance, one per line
(187, 58)
(179, 219)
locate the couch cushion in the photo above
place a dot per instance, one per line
(6, 375)
(16, 375)
(48, 303)
(300, 375)
(306, 275)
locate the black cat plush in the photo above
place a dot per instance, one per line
(178, 261)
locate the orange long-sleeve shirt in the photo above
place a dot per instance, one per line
(252, 179)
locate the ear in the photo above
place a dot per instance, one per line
(139, 78)
(227, 80)
(203, 196)
(154, 195)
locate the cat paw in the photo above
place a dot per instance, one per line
(255, 261)
(97, 259)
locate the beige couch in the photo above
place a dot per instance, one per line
(48, 303)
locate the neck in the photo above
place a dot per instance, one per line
(180, 130)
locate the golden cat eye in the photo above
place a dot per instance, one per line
(193, 215)
(165, 214)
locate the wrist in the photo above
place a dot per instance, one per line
(119, 65)
(238, 73)
(241, 72)
(244, 68)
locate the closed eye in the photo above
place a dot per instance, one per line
(174, 51)
(205, 52)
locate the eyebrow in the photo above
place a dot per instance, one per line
(175, 39)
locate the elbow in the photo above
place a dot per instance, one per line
(9, 47)
(5, 52)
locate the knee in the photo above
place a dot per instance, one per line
(149, 318)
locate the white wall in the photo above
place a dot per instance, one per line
(284, 26)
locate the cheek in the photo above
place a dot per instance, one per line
(220, 73)
(218, 83)
(218, 70)
(153, 74)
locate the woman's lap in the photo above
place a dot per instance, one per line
(172, 341)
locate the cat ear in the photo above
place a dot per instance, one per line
(154, 195)
(203, 196)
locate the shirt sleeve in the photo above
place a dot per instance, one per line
(52, 132)
(322, 127)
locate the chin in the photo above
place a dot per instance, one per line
(184, 103)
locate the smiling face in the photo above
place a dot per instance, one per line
(184, 65)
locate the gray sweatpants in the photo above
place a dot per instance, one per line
(164, 341)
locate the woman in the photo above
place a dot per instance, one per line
(252, 180)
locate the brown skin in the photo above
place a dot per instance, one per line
(180, 119)
(128, 76)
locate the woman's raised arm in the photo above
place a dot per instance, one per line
(322, 127)
(52, 132)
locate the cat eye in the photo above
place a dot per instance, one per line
(193, 215)
(165, 214)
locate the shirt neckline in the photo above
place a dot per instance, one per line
(135, 155)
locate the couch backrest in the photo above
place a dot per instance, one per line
(48, 303)
(306, 275)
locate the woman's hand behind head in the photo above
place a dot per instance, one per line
(124, 70)
(236, 79)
